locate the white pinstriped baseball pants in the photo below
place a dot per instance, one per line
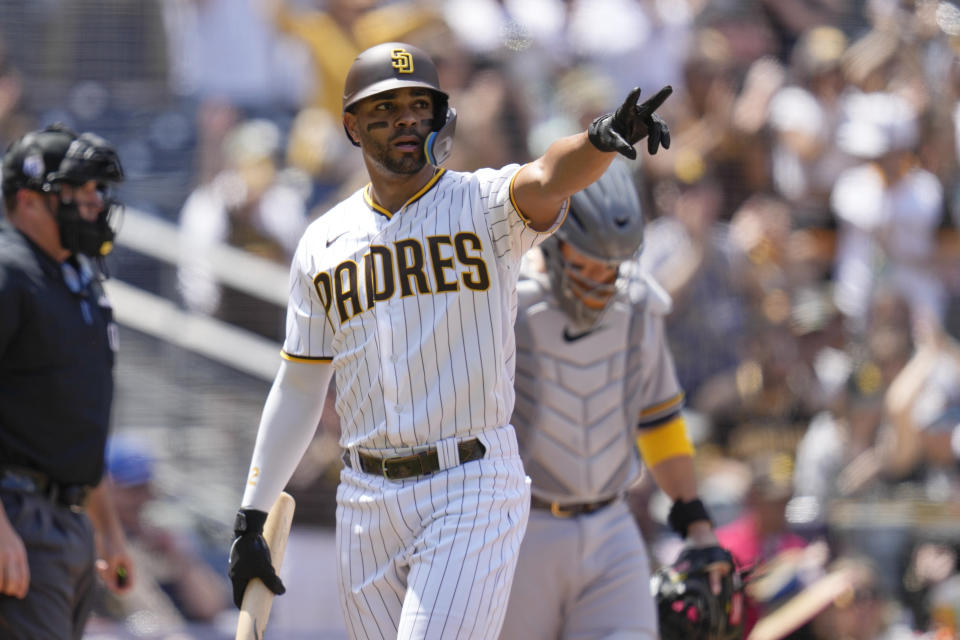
(432, 557)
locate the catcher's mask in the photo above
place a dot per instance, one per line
(89, 158)
(688, 610)
(394, 65)
(605, 223)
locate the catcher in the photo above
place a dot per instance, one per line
(595, 383)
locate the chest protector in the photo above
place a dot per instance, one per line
(577, 400)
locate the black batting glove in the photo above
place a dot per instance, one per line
(630, 124)
(250, 555)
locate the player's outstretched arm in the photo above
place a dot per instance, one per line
(574, 162)
(290, 417)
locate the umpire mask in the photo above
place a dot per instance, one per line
(89, 158)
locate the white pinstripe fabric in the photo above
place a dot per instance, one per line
(447, 453)
(432, 557)
(419, 368)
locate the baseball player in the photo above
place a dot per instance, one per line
(595, 382)
(407, 290)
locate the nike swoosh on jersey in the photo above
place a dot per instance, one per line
(330, 241)
(573, 337)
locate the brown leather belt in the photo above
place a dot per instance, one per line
(571, 510)
(418, 464)
(23, 480)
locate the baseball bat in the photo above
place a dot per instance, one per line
(257, 599)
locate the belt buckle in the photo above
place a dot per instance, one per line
(557, 511)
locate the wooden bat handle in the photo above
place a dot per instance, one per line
(257, 599)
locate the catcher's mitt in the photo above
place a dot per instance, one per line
(688, 609)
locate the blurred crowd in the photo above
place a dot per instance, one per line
(804, 221)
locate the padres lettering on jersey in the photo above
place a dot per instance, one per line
(413, 305)
(405, 268)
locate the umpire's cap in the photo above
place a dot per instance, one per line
(31, 160)
(391, 65)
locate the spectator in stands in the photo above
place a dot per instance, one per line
(923, 405)
(762, 532)
(803, 116)
(175, 585)
(842, 452)
(889, 210)
(846, 601)
(252, 204)
(689, 251)
(14, 121)
(334, 32)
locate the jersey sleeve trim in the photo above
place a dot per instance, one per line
(657, 412)
(308, 359)
(561, 214)
(665, 441)
(419, 194)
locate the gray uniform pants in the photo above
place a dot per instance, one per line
(61, 555)
(583, 578)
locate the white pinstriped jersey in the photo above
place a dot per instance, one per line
(415, 309)
(581, 399)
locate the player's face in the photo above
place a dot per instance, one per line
(588, 276)
(392, 126)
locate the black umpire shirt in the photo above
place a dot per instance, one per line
(57, 343)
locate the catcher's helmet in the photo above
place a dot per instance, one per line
(395, 65)
(605, 222)
(30, 161)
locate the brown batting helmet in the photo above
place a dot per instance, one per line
(391, 65)
(395, 65)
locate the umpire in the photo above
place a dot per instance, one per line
(58, 527)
